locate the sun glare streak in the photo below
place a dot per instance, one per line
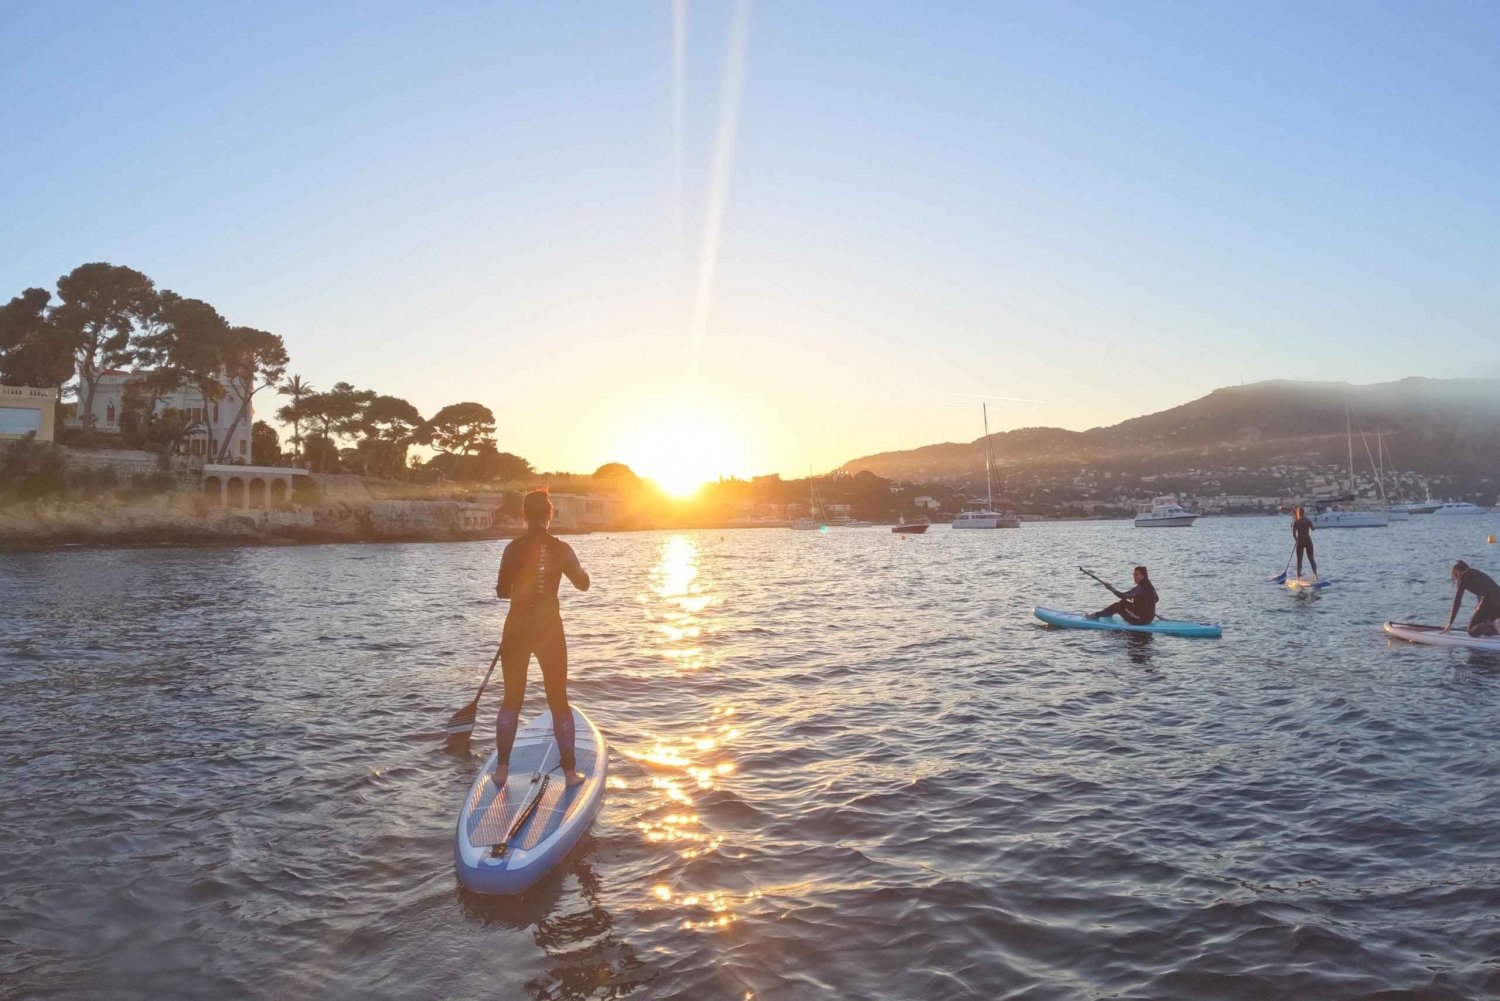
(718, 181)
(679, 127)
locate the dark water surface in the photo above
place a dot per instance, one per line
(845, 765)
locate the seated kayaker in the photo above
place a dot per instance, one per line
(1136, 606)
(1486, 618)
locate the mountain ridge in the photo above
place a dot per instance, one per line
(1442, 426)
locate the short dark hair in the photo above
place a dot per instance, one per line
(537, 507)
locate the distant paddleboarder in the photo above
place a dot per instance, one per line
(531, 570)
(1136, 606)
(1486, 618)
(1302, 530)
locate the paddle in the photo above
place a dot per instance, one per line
(1281, 577)
(1099, 579)
(462, 721)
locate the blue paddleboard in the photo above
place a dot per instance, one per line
(1167, 627)
(505, 842)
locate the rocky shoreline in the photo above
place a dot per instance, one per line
(174, 520)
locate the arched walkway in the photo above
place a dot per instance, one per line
(278, 493)
(234, 492)
(213, 491)
(257, 493)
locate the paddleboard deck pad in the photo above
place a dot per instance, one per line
(1167, 627)
(506, 840)
(1412, 632)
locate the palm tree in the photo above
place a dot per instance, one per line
(297, 388)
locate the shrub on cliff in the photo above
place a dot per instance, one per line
(30, 469)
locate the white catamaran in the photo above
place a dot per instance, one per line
(987, 516)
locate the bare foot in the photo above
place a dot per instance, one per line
(501, 774)
(572, 777)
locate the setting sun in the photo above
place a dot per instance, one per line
(683, 451)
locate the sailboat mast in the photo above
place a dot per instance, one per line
(989, 480)
(1349, 432)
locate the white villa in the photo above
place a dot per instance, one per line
(215, 418)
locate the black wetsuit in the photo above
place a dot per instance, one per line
(1136, 606)
(1302, 529)
(531, 569)
(1486, 618)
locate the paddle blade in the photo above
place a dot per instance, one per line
(463, 720)
(1279, 578)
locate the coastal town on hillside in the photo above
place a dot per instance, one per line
(128, 412)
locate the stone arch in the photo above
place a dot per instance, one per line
(213, 490)
(279, 493)
(234, 492)
(257, 493)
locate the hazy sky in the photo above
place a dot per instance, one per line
(1111, 208)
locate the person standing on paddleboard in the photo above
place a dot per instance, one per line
(1136, 606)
(531, 569)
(1302, 529)
(1486, 618)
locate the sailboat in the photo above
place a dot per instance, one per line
(986, 516)
(1351, 518)
(816, 522)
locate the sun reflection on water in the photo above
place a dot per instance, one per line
(682, 764)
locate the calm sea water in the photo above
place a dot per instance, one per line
(845, 765)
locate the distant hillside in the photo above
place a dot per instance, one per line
(1447, 427)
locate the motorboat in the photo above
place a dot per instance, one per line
(1460, 507)
(1164, 512)
(913, 528)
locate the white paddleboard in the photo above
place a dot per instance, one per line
(1306, 584)
(1411, 632)
(505, 843)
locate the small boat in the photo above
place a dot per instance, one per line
(505, 842)
(1460, 507)
(1164, 512)
(915, 528)
(1412, 632)
(1168, 627)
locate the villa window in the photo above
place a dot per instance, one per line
(216, 413)
(109, 414)
(242, 449)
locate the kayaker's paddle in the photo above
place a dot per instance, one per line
(1098, 578)
(462, 721)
